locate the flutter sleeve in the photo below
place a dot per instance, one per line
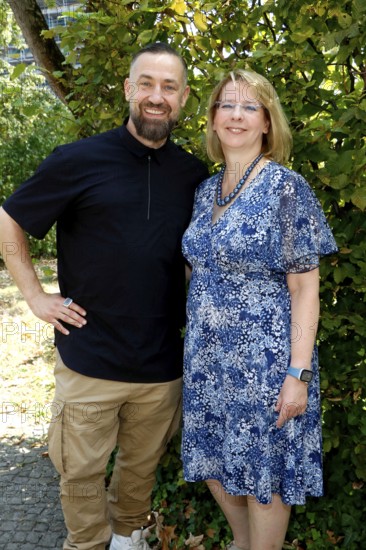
(301, 234)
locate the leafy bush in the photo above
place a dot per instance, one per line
(32, 123)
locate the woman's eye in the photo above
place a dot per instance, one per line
(250, 108)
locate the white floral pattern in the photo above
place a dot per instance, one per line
(237, 344)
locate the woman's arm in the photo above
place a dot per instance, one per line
(188, 272)
(304, 292)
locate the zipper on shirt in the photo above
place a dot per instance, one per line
(148, 187)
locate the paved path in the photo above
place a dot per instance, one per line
(30, 512)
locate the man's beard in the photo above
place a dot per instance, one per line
(154, 131)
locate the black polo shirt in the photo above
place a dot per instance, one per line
(121, 209)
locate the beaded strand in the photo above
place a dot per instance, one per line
(226, 200)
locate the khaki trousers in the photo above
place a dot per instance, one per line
(90, 417)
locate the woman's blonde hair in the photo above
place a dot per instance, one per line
(278, 142)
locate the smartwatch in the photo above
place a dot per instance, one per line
(304, 375)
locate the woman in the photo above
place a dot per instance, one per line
(251, 400)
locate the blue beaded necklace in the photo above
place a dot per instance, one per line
(224, 201)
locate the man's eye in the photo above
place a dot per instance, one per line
(145, 84)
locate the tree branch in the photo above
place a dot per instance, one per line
(46, 52)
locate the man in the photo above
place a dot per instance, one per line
(121, 200)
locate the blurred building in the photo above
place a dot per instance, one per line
(54, 17)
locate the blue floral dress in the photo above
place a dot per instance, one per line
(237, 344)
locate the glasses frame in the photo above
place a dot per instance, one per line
(247, 108)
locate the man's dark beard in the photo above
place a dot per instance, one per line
(152, 131)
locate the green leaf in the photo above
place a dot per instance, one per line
(359, 198)
(18, 70)
(179, 6)
(145, 37)
(81, 80)
(48, 34)
(200, 21)
(300, 36)
(344, 20)
(343, 271)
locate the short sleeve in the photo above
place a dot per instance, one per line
(38, 202)
(301, 234)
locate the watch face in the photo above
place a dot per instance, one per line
(306, 375)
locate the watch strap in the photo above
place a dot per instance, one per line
(298, 373)
(294, 372)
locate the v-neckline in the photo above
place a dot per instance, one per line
(242, 192)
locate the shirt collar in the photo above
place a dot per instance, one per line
(138, 149)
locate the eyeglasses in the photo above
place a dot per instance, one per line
(247, 108)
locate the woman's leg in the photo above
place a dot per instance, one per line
(267, 523)
(235, 509)
(254, 526)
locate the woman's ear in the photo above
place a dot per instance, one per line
(267, 126)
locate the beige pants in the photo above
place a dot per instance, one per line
(90, 417)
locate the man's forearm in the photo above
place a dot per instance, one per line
(15, 253)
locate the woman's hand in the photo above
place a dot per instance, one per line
(292, 400)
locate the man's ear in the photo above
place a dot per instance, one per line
(185, 95)
(130, 89)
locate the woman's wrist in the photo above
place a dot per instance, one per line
(302, 374)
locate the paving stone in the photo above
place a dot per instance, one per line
(7, 526)
(33, 537)
(20, 536)
(4, 538)
(30, 510)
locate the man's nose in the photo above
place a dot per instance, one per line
(156, 95)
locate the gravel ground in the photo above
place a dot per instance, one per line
(30, 513)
